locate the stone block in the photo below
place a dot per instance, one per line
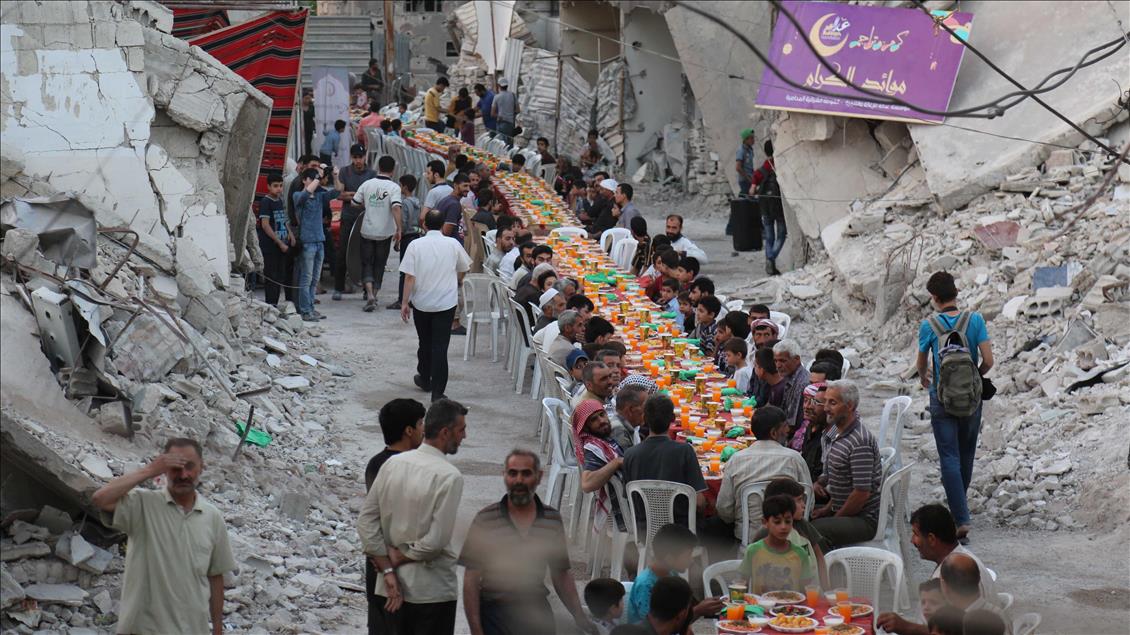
(66, 594)
(82, 36)
(294, 383)
(22, 531)
(210, 234)
(130, 33)
(195, 104)
(135, 58)
(97, 466)
(105, 34)
(27, 550)
(10, 591)
(1112, 321)
(147, 350)
(890, 134)
(1060, 159)
(55, 520)
(22, 246)
(194, 271)
(294, 505)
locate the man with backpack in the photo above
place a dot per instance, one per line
(957, 343)
(768, 194)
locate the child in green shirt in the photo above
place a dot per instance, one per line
(774, 563)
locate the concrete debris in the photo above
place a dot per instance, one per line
(22, 532)
(55, 520)
(68, 594)
(26, 550)
(10, 590)
(295, 383)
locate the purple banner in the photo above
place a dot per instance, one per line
(896, 52)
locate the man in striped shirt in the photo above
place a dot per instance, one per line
(509, 547)
(852, 477)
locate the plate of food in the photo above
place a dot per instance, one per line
(784, 597)
(793, 624)
(793, 609)
(857, 610)
(846, 629)
(737, 626)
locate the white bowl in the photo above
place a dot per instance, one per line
(833, 620)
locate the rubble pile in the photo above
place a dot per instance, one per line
(1057, 302)
(159, 354)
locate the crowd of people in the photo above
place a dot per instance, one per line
(810, 443)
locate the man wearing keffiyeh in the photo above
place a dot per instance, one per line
(787, 355)
(599, 456)
(808, 437)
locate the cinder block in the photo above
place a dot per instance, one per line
(105, 35)
(135, 57)
(130, 34)
(82, 36)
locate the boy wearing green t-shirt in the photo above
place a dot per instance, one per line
(774, 563)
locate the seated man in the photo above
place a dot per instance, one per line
(681, 243)
(852, 476)
(598, 384)
(528, 294)
(934, 534)
(598, 455)
(542, 254)
(763, 333)
(629, 415)
(503, 243)
(823, 372)
(551, 303)
(523, 265)
(764, 460)
(613, 359)
(767, 386)
(662, 458)
(579, 303)
(758, 312)
(787, 355)
(575, 363)
(560, 347)
(808, 437)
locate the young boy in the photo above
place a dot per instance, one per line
(575, 363)
(773, 563)
(672, 551)
(664, 265)
(687, 269)
(947, 620)
(410, 222)
(930, 597)
(605, 599)
(330, 142)
(275, 238)
(736, 350)
(669, 300)
(686, 311)
(731, 325)
(706, 325)
(803, 534)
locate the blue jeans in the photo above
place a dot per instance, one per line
(956, 438)
(773, 233)
(311, 267)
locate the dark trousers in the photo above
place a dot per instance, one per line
(522, 617)
(842, 531)
(274, 270)
(437, 618)
(374, 258)
(342, 248)
(438, 126)
(434, 331)
(405, 239)
(956, 438)
(291, 277)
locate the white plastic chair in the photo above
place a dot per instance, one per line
(1026, 624)
(477, 310)
(548, 173)
(610, 535)
(1005, 602)
(658, 500)
(570, 232)
(717, 573)
(733, 305)
(499, 303)
(891, 424)
(623, 252)
(783, 321)
(562, 465)
(864, 570)
(523, 346)
(610, 237)
(992, 574)
(886, 460)
(892, 532)
(751, 496)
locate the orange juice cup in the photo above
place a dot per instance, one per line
(735, 612)
(731, 383)
(844, 609)
(716, 467)
(708, 444)
(822, 630)
(812, 595)
(686, 418)
(748, 411)
(841, 595)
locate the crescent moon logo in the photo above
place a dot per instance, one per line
(814, 37)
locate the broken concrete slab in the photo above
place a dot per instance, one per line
(67, 594)
(27, 550)
(274, 345)
(98, 467)
(103, 602)
(10, 590)
(55, 520)
(148, 349)
(294, 382)
(22, 531)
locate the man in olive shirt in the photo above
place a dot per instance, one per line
(178, 548)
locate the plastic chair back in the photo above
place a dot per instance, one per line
(886, 460)
(558, 414)
(658, 500)
(477, 297)
(893, 500)
(521, 321)
(891, 423)
(863, 570)
(750, 497)
(783, 321)
(623, 252)
(569, 231)
(717, 573)
(610, 237)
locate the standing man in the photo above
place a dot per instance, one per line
(372, 82)
(402, 425)
(178, 546)
(433, 268)
(438, 187)
(308, 204)
(452, 210)
(955, 388)
(486, 98)
(380, 226)
(509, 548)
(432, 110)
(505, 109)
(406, 523)
(681, 243)
(768, 191)
(349, 180)
(853, 474)
(308, 121)
(745, 163)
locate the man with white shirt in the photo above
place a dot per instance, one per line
(765, 460)
(433, 268)
(406, 525)
(681, 243)
(380, 225)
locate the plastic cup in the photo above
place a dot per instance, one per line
(812, 595)
(715, 466)
(735, 611)
(822, 630)
(841, 595)
(845, 610)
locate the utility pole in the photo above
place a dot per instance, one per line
(390, 53)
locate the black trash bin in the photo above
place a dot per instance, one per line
(745, 220)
